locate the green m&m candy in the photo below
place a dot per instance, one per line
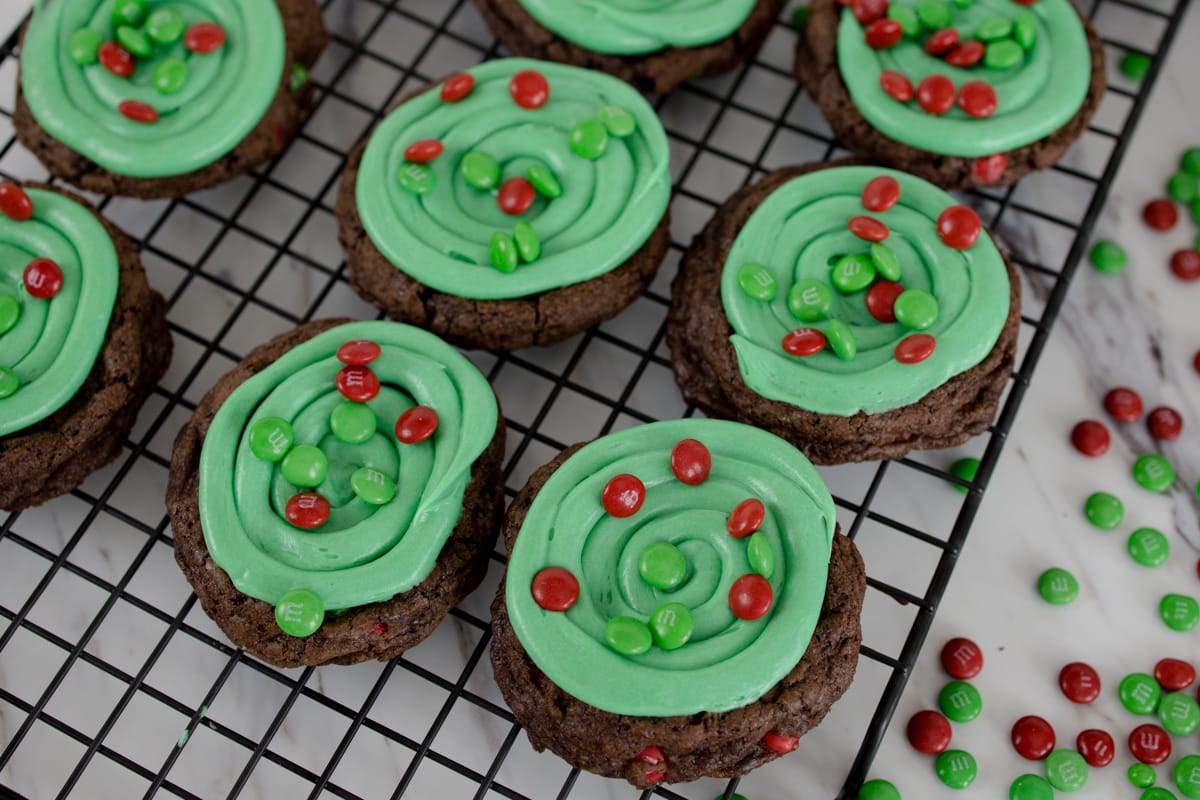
(1107, 257)
(617, 120)
(935, 15)
(809, 299)
(502, 251)
(993, 28)
(480, 170)
(170, 75)
(529, 246)
(916, 309)
(663, 566)
(672, 626)
(1157, 793)
(9, 382)
(1058, 587)
(1031, 787)
(879, 789)
(956, 768)
(760, 554)
(128, 12)
(416, 178)
(543, 181)
(1189, 162)
(841, 340)
(304, 466)
(135, 41)
(165, 25)
(1141, 775)
(853, 273)
(1004, 54)
(909, 23)
(1179, 612)
(628, 636)
(588, 139)
(271, 438)
(372, 486)
(885, 261)
(1135, 65)
(960, 701)
(1179, 714)
(10, 312)
(1153, 472)
(1104, 510)
(1066, 770)
(1139, 693)
(352, 423)
(299, 612)
(1148, 547)
(1024, 30)
(1182, 187)
(84, 46)
(1187, 777)
(757, 282)
(964, 469)
(299, 76)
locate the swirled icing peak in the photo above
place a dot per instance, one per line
(333, 478)
(965, 79)
(152, 88)
(58, 282)
(636, 27)
(515, 178)
(673, 568)
(861, 289)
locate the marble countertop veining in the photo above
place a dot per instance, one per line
(1140, 328)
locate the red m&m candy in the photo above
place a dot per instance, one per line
(962, 659)
(1096, 747)
(958, 227)
(307, 510)
(1079, 682)
(691, 462)
(423, 151)
(416, 425)
(529, 89)
(977, 98)
(966, 54)
(457, 87)
(941, 41)
(623, 495)
(1150, 744)
(358, 353)
(1033, 738)
(1186, 264)
(781, 744)
(1123, 404)
(750, 597)
(1174, 675)
(990, 169)
(116, 59)
(929, 732)
(43, 278)
(14, 202)
(883, 33)
(804, 342)
(883, 192)
(915, 348)
(1090, 438)
(868, 229)
(746, 518)
(358, 384)
(1160, 214)
(138, 111)
(555, 589)
(935, 94)
(881, 300)
(897, 86)
(867, 11)
(516, 196)
(1164, 423)
(204, 37)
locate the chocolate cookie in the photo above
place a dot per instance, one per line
(249, 109)
(765, 692)
(711, 372)
(991, 143)
(367, 513)
(655, 66)
(509, 234)
(86, 429)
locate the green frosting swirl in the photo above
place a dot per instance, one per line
(636, 27)
(1035, 97)
(728, 662)
(608, 208)
(55, 342)
(226, 93)
(364, 553)
(797, 232)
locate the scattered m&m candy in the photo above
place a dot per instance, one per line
(1123, 404)
(960, 701)
(1057, 586)
(1148, 547)
(1179, 612)
(1139, 693)
(1149, 744)
(956, 768)
(1185, 264)
(1031, 787)
(1090, 438)
(962, 659)
(1154, 473)
(1104, 510)
(1032, 737)
(1107, 257)
(1161, 214)
(1174, 675)
(1164, 423)
(929, 732)
(1066, 770)
(1079, 683)
(1096, 747)
(1179, 714)
(877, 789)
(1187, 776)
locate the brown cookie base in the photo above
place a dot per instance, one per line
(714, 745)
(706, 365)
(539, 319)
(817, 69)
(381, 630)
(54, 456)
(655, 72)
(306, 38)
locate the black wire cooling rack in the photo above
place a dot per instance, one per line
(113, 683)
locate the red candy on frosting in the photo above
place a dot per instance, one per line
(307, 510)
(416, 425)
(43, 278)
(555, 589)
(868, 229)
(691, 462)
(935, 94)
(965, 54)
(116, 59)
(897, 86)
(623, 495)
(867, 11)
(881, 193)
(915, 348)
(883, 33)
(881, 300)
(457, 87)
(941, 41)
(423, 151)
(958, 227)
(358, 384)
(977, 99)
(14, 202)
(751, 597)
(804, 342)
(529, 89)
(138, 111)
(746, 518)
(516, 196)
(358, 352)
(204, 37)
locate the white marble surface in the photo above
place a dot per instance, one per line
(1139, 329)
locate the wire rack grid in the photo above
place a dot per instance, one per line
(113, 683)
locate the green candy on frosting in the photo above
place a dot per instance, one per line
(724, 662)
(607, 209)
(54, 343)
(637, 27)
(369, 549)
(795, 232)
(226, 94)
(1034, 98)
